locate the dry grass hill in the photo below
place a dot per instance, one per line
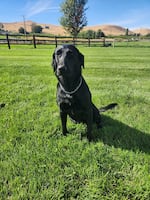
(47, 28)
(142, 31)
(58, 30)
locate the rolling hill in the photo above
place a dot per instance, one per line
(58, 30)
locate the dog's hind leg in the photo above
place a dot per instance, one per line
(96, 116)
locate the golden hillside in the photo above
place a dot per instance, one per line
(58, 30)
(53, 29)
(142, 31)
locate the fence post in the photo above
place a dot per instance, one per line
(7, 38)
(34, 41)
(113, 43)
(74, 41)
(56, 41)
(89, 42)
(104, 42)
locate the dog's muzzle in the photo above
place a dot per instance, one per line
(61, 70)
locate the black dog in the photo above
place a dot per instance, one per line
(73, 95)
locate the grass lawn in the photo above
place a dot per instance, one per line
(37, 162)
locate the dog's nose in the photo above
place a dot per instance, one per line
(61, 69)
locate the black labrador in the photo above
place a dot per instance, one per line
(73, 94)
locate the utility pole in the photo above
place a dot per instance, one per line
(24, 22)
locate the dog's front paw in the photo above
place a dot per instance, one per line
(65, 132)
(90, 137)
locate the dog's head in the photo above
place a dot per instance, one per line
(67, 61)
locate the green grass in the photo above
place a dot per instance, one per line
(37, 162)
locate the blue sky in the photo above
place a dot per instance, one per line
(127, 13)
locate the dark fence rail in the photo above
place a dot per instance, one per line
(14, 39)
(35, 40)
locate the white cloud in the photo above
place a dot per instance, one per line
(38, 7)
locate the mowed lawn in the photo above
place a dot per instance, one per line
(38, 162)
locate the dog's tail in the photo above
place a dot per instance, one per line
(108, 107)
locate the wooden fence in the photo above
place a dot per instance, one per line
(35, 40)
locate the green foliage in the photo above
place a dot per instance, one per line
(21, 30)
(36, 28)
(1, 26)
(100, 34)
(92, 34)
(148, 35)
(127, 32)
(38, 162)
(74, 18)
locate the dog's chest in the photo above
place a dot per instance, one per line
(68, 102)
(73, 106)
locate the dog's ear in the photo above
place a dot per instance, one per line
(81, 58)
(54, 64)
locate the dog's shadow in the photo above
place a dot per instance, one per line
(120, 135)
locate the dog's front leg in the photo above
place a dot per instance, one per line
(63, 116)
(89, 125)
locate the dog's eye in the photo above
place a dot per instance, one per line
(59, 52)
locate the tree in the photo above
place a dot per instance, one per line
(36, 28)
(74, 18)
(90, 34)
(1, 26)
(100, 34)
(127, 32)
(21, 30)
